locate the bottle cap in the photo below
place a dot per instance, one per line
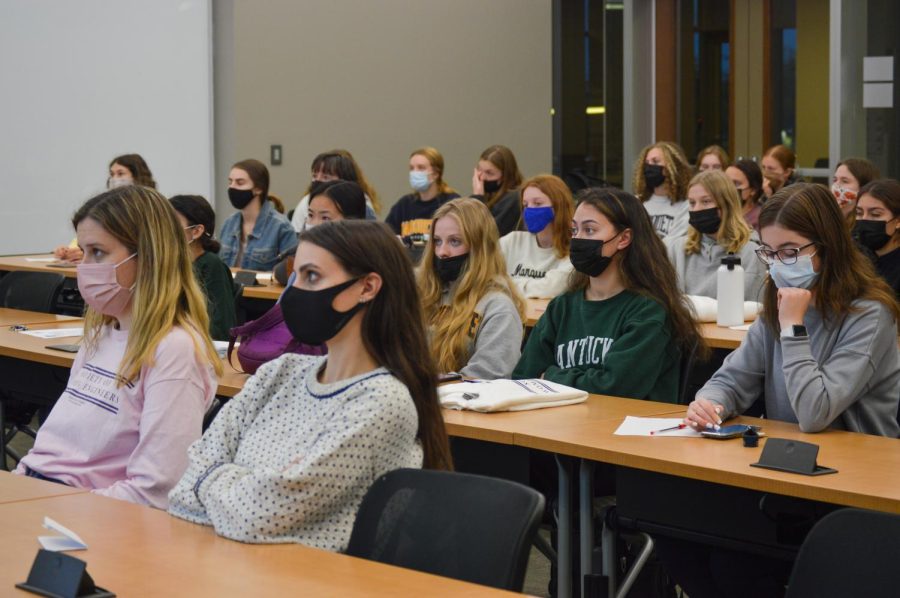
(731, 261)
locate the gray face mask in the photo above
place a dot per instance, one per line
(799, 275)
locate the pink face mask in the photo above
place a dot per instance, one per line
(101, 290)
(843, 195)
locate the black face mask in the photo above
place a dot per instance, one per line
(706, 221)
(585, 255)
(449, 268)
(871, 233)
(309, 315)
(653, 176)
(239, 198)
(491, 186)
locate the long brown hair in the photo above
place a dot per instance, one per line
(644, 267)
(138, 168)
(505, 161)
(845, 274)
(563, 208)
(342, 164)
(677, 170)
(393, 329)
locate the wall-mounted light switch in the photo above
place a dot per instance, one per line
(275, 155)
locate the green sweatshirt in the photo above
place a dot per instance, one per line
(217, 283)
(620, 346)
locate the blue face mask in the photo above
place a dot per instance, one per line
(537, 219)
(799, 275)
(418, 180)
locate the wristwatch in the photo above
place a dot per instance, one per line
(795, 331)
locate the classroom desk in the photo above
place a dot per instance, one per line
(13, 317)
(139, 551)
(13, 263)
(721, 337)
(269, 292)
(16, 488)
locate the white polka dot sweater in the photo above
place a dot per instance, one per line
(289, 459)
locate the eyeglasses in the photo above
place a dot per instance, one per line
(786, 256)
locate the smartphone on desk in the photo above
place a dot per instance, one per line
(64, 347)
(726, 432)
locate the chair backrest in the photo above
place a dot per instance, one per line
(688, 358)
(464, 526)
(34, 291)
(850, 552)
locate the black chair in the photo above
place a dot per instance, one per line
(850, 552)
(34, 291)
(686, 368)
(464, 526)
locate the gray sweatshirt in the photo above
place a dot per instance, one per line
(697, 271)
(669, 219)
(845, 376)
(496, 345)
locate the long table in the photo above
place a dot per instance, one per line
(139, 551)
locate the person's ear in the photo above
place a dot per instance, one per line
(371, 287)
(625, 239)
(202, 231)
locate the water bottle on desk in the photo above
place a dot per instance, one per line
(730, 292)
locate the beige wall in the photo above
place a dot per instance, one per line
(380, 79)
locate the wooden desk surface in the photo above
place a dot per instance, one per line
(15, 488)
(534, 309)
(867, 465)
(139, 551)
(11, 317)
(12, 263)
(267, 291)
(721, 338)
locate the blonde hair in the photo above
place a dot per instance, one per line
(718, 151)
(485, 272)
(436, 160)
(734, 231)
(677, 170)
(563, 208)
(166, 293)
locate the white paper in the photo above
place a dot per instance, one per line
(643, 426)
(878, 95)
(68, 541)
(51, 333)
(878, 68)
(41, 259)
(222, 347)
(741, 327)
(264, 277)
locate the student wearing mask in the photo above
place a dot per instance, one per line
(717, 229)
(537, 260)
(622, 326)
(472, 306)
(146, 371)
(748, 180)
(336, 165)
(778, 166)
(256, 237)
(290, 458)
(411, 216)
(877, 227)
(661, 176)
(496, 181)
(198, 220)
(127, 169)
(851, 175)
(713, 157)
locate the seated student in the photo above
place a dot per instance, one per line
(146, 372)
(290, 458)
(335, 200)
(779, 168)
(335, 165)
(661, 176)
(496, 181)
(824, 350)
(716, 229)
(256, 237)
(877, 227)
(748, 180)
(472, 307)
(411, 215)
(851, 175)
(713, 157)
(538, 260)
(620, 328)
(199, 221)
(127, 169)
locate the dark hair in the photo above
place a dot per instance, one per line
(258, 173)
(393, 327)
(887, 191)
(845, 274)
(862, 170)
(138, 168)
(347, 196)
(340, 163)
(197, 211)
(754, 176)
(644, 266)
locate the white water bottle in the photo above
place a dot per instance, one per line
(730, 292)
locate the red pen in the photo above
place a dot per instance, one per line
(678, 427)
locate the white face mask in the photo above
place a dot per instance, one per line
(122, 182)
(843, 195)
(799, 275)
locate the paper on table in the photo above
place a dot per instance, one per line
(642, 426)
(264, 277)
(741, 327)
(41, 259)
(68, 541)
(55, 332)
(222, 347)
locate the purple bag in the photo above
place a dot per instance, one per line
(266, 338)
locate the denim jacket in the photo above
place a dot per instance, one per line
(272, 236)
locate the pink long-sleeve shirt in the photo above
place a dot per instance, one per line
(128, 442)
